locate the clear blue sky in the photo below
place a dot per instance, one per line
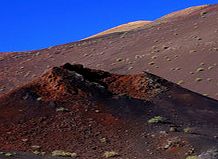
(35, 24)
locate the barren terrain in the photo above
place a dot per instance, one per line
(136, 91)
(182, 49)
(90, 112)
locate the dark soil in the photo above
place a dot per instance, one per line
(89, 112)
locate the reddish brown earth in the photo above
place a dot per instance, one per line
(107, 112)
(174, 47)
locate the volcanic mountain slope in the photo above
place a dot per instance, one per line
(95, 114)
(182, 48)
(124, 27)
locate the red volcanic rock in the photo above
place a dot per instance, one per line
(90, 112)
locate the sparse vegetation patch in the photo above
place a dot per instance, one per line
(61, 153)
(156, 119)
(110, 154)
(192, 157)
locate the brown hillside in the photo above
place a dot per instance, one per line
(182, 50)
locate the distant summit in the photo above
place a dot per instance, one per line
(184, 12)
(124, 27)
